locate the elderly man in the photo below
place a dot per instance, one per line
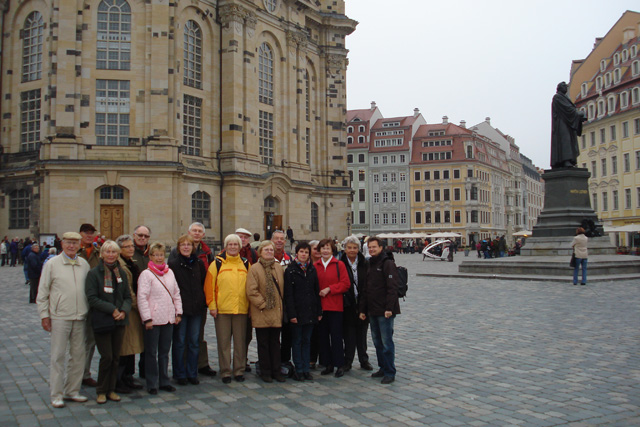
(197, 232)
(63, 307)
(279, 238)
(141, 236)
(92, 255)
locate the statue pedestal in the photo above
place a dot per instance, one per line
(566, 205)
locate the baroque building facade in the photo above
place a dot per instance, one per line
(606, 88)
(127, 112)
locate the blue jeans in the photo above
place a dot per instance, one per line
(382, 335)
(301, 346)
(157, 343)
(583, 262)
(186, 334)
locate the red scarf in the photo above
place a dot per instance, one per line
(160, 270)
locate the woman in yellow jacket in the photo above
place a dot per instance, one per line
(225, 291)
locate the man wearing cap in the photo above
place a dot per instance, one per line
(197, 233)
(92, 256)
(62, 305)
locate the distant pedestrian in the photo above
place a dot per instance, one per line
(33, 264)
(579, 245)
(4, 251)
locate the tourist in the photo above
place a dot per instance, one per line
(110, 300)
(581, 253)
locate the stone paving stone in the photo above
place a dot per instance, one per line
(468, 352)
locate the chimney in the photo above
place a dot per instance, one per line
(627, 34)
(488, 120)
(445, 120)
(463, 124)
(416, 112)
(373, 105)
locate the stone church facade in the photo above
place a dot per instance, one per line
(161, 112)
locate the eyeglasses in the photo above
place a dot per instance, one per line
(126, 246)
(143, 236)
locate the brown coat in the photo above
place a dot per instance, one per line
(133, 341)
(257, 289)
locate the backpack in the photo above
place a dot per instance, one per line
(403, 280)
(222, 256)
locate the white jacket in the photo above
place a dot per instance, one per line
(580, 246)
(61, 292)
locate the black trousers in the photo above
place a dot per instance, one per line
(330, 332)
(355, 337)
(285, 344)
(268, 340)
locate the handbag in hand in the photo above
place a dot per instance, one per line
(103, 323)
(572, 263)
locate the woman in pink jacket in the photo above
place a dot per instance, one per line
(160, 308)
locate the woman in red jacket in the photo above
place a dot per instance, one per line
(334, 281)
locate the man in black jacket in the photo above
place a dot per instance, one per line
(379, 300)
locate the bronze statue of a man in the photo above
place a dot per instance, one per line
(566, 127)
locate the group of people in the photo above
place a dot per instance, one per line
(496, 248)
(125, 298)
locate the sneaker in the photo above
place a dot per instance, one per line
(76, 398)
(378, 374)
(57, 403)
(388, 380)
(102, 399)
(113, 396)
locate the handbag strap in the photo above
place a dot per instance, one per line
(165, 287)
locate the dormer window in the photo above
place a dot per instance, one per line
(616, 58)
(611, 104)
(625, 55)
(601, 108)
(617, 75)
(634, 51)
(591, 108)
(599, 83)
(607, 79)
(583, 90)
(635, 68)
(603, 65)
(624, 99)
(635, 95)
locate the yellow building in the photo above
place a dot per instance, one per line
(124, 112)
(606, 87)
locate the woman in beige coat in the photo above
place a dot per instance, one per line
(580, 249)
(133, 341)
(265, 287)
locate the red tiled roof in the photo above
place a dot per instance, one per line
(364, 114)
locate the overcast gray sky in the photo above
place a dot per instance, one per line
(470, 59)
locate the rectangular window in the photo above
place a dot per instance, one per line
(614, 197)
(603, 163)
(192, 125)
(436, 195)
(403, 177)
(469, 173)
(376, 197)
(437, 217)
(612, 133)
(603, 137)
(427, 217)
(594, 200)
(427, 175)
(384, 160)
(362, 216)
(385, 177)
(446, 194)
(375, 160)
(361, 176)
(625, 129)
(307, 147)
(636, 126)
(584, 141)
(393, 159)
(416, 176)
(403, 217)
(627, 198)
(447, 216)
(403, 158)
(637, 160)
(29, 119)
(456, 173)
(416, 196)
(456, 216)
(113, 38)
(394, 197)
(627, 162)
(605, 201)
(393, 177)
(403, 197)
(614, 165)
(385, 218)
(361, 195)
(638, 197)
(474, 216)
(427, 195)
(593, 139)
(19, 209)
(445, 174)
(436, 174)
(376, 219)
(265, 126)
(394, 218)
(456, 194)
(385, 197)
(594, 173)
(112, 112)
(418, 217)
(376, 177)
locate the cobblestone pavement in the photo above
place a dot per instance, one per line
(468, 352)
